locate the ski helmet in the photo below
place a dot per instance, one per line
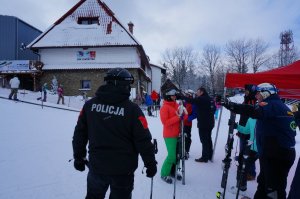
(119, 77)
(266, 89)
(168, 94)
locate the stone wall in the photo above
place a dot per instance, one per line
(71, 80)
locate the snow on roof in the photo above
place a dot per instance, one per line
(66, 32)
(90, 66)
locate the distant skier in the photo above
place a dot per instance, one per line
(116, 132)
(149, 103)
(60, 93)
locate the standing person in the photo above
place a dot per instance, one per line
(249, 98)
(116, 131)
(44, 89)
(248, 129)
(170, 118)
(206, 121)
(154, 97)
(60, 93)
(187, 128)
(14, 86)
(149, 103)
(275, 138)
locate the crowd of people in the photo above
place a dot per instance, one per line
(116, 132)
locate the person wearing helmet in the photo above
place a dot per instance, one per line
(116, 132)
(170, 117)
(275, 139)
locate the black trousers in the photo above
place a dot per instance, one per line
(188, 140)
(121, 186)
(272, 178)
(205, 138)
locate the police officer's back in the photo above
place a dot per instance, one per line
(117, 132)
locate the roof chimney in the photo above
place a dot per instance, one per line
(130, 27)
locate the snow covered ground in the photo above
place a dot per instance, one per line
(35, 149)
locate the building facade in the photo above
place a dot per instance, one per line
(87, 41)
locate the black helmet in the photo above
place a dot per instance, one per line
(119, 77)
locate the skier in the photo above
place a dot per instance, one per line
(14, 85)
(149, 103)
(170, 116)
(60, 93)
(249, 98)
(116, 132)
(248, 129)
(275, 135)
(206, 121)
(187, 128)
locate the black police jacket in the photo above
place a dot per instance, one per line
(115, 130)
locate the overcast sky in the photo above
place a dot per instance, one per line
(162, 24)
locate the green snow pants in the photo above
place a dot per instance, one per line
(171, 158)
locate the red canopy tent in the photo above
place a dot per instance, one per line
(285, 78)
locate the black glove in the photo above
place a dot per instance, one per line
(79, 164)
(151, 169)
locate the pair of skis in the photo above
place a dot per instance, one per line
(227, 161)
(180, 152)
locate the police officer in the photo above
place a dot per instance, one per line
(275, 139)
(116, 132)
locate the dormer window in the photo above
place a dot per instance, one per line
(88, 20)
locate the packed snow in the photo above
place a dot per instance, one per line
(36, 146)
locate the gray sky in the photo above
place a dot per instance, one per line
(162, 24)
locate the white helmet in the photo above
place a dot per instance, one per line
(266, 89)
(190, 92)
(171, 92)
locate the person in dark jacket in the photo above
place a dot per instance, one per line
(116, 132)
(249, 98)
(205, 119)
(275, 139)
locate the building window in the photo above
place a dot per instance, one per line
(88, 20)
(85, 84)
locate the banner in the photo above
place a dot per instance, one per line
(86, 55)
(15, 65)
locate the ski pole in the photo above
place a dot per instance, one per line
(174, 191)
(151, 191)
(155, 151)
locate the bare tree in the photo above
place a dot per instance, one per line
(239, 52)
(210, 63)
(258, 55)
(180, 64)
